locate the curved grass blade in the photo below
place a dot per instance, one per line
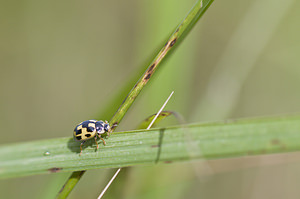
(164, 114)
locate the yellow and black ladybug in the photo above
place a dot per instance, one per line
(89, 129)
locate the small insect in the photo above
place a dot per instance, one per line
(89, 129)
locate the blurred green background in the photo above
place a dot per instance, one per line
(63, 61)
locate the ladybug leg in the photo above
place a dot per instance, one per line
(81, 148)
(102, 139)
(96, 142)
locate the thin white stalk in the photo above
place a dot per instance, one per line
(160, 110)
(117, 172)
(109, 183)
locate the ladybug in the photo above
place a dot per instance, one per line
(91, 129)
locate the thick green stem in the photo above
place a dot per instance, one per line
(70, 184)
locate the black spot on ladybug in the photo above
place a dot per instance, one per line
(148, 76)
(90, 129)
(54, 170)
(78, 132)
(78, 137)
(173, 42)
(88, 135)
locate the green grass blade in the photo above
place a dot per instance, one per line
(211, 141)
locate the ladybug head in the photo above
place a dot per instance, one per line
(106, 127)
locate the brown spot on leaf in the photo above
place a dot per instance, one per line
(283, 147)
(154, 146)
(148, 76)
(115, 124)
(54, 170)
(168, 162)
(133, 97)
(151, 68)
(275, 142)
(173, 42)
